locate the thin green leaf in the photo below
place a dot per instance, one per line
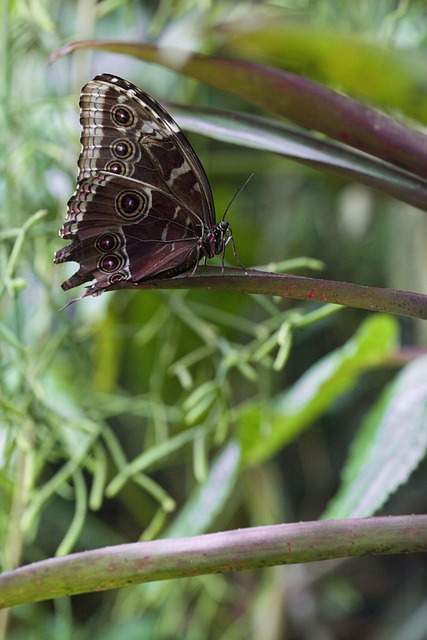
(149, 458)
(208, 500)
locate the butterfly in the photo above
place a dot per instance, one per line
(143, 207)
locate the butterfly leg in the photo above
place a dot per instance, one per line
(236, 257)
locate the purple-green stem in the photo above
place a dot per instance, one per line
(128, 564)
(404, 303)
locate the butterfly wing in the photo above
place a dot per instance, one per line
(143, 201)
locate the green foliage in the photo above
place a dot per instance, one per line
(149, 414)
(265, 430)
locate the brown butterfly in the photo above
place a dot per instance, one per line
(143, 207)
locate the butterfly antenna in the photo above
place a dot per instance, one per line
(230, 237)
(239, 191)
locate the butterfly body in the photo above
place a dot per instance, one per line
(143, 207)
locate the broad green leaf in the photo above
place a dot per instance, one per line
(389, 446)
(263, 432)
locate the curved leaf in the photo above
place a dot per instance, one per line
(306, 103)
(306, 147)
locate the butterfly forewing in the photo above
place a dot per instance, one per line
(148, 143)
(143, 207)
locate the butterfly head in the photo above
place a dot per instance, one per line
(215, 240)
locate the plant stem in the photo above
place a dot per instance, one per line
(127, 564)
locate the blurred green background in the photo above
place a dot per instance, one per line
(160, 377)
